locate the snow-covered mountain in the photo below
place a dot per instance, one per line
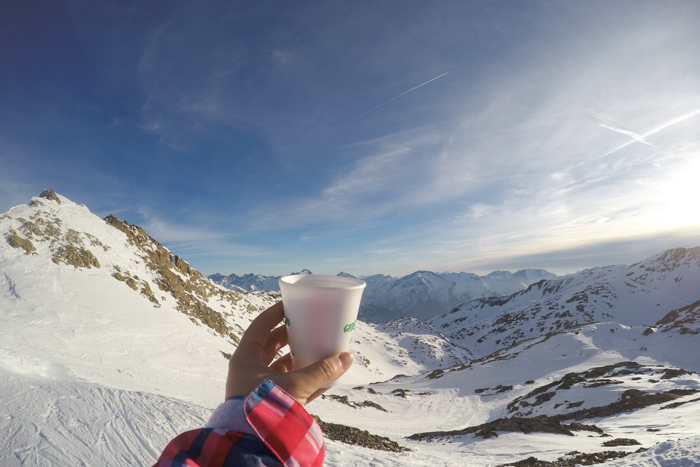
(636, 295)
(97, 319)
(421, 295)
(110, 345)
(425, 294)
(251, 282)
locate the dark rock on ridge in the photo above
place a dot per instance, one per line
(351, 435)
(50, 195)
(575, 459)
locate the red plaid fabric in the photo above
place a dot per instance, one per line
(284, 425)
(286, 435)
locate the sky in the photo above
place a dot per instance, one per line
(363, 137)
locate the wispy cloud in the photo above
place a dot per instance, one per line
(557, 125)
(194, 242)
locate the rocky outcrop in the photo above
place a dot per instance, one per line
(136, 284)
(573, 459)
(16, 241)
(178, 278)
(540, 424)
(351, 435)
(76, 256)
(50, 195)
(65, 247)
(44, 228)
(684, 320)
(631, 399)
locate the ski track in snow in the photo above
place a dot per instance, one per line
(92, 373)
(49, 423)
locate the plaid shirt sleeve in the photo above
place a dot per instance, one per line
(278, 432)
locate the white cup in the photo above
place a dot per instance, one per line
(320, 314)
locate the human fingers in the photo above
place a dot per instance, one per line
(307, 383)
(282, 364)
(276, 339)
(316, 394)
(259, 330)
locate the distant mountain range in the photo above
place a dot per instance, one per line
(110, 345)
(420, 295)
(251, 282)
(636, 295)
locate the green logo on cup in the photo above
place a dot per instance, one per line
(286, 321)
(349, 327)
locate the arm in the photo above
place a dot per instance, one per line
(263, 421)
(266, 428)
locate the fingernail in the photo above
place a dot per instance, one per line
(346, 360)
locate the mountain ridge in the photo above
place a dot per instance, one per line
(107, 332)
(589, 296)
(421, 294)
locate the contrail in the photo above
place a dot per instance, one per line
(641, 138)
(630, 133)
(673, 122)
(402, 94)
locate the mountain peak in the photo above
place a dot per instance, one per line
(673, 258)
(50, 195)
(52, 232)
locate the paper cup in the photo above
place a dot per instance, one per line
(320, 314)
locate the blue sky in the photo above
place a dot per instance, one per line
(365, 137)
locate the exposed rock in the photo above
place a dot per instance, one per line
(401, 393)
(572, 459)
(684, 320)
(631, 399)
(137, 284)
(497, 390)
(594, 377)
(353, 404)
(31, 228)
(176, 277)
(16, 241)
(94, 241)
(670, 373)
(127, 280)
(540, 424)
(678, 404)
(621, 442)
(352, 435)
(78, 257)
(50, 195)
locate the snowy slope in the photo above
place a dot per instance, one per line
(640, 294)
(93, 310)
(54, 423)
(88, 300)
(562, 374)
(110, 345)
(424, 294)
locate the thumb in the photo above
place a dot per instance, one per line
(305, 384)
(327, 370)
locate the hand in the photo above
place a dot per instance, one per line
(250, 363)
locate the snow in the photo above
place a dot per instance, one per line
(421, 294)
(51, 423)
(683, 452)
(92, 372)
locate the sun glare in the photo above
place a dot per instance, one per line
(681, 198)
